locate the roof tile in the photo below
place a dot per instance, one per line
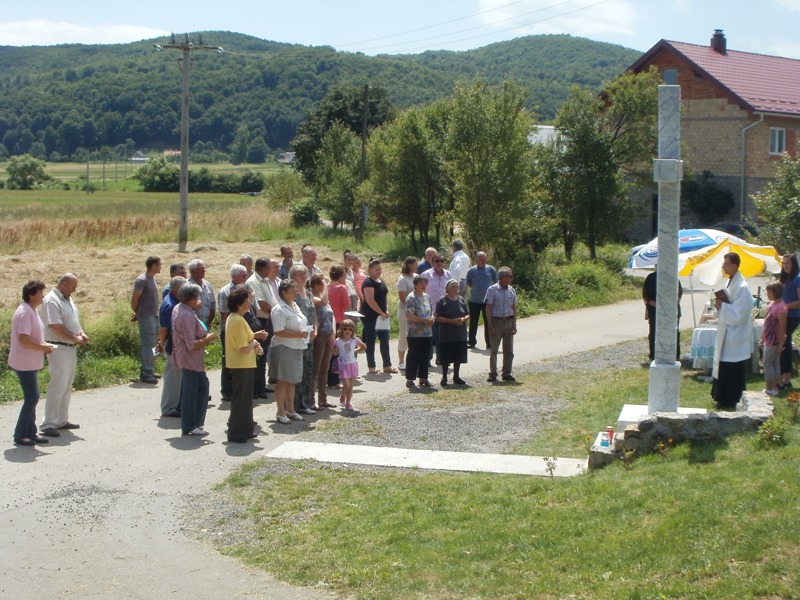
(765, 83)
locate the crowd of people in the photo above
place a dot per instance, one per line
(281, 323)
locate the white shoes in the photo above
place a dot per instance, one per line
(198, 431)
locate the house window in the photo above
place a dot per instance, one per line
(670, 76)
(777, 140)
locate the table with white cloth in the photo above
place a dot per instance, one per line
(704, 338)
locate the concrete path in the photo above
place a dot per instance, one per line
(97, 512)
(430, 459)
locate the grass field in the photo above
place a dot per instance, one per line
(713, 520)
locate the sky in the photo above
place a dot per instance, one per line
(411, 26)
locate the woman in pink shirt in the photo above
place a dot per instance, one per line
(26, 357)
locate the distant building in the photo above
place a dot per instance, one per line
(172, 155)
(542, 135)
(138, 157)
(740, 112)
(286, 158)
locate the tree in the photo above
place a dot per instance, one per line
(410, 184)
(779, 207)
(606, 143)
(345, 105)
(285, 187)
(240, 145)
(257, 151)
(338, 166)
(489, 159)
(25, 172)
(158, 175)
(554, 184)
(708, 200)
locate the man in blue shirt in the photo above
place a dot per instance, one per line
(426, 264)
(479, 278)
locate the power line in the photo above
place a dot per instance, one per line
(534, 22)
(435, 25)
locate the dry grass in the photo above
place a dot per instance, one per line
(108, 225)
(105, 275)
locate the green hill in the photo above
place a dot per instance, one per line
(57, 99)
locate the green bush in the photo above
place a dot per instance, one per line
(304, 212)
(285, 188)
(112, 335)
(772, 433)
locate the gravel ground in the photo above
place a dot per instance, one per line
(430, 421)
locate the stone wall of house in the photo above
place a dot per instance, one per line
(711, 130)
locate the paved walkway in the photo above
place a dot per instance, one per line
(96, 513)
(514, 464)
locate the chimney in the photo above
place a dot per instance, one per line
(718, 42)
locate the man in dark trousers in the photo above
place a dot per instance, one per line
(649, 297)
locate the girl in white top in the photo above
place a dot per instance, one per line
(345, 347)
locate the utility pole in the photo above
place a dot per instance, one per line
(362, 217)
(187, 48)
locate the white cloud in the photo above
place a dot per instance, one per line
(585, 18)
(786, 48)
(790, 4)
(42, 32)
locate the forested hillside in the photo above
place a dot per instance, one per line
(58, 101)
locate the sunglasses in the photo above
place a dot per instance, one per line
(438, 260)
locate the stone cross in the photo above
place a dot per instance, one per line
(668, 172)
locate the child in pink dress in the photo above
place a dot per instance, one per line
(345, 347)
(773, 337)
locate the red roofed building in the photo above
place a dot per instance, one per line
(739, 111)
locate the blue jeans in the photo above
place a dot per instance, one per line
(26, 424)
(194, 399)
(148, 333)
(369, 334)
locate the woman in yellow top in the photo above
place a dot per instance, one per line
(241, 349)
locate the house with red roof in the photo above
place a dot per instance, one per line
(740, 111)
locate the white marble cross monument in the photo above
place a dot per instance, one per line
(668, 173)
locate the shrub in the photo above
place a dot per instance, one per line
(304, 212)
(285, 187)
(772, 433)
(112, 335)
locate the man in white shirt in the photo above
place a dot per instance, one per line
(208, 307)
(265, 300)
(238, 276)
(310, 260)
(459, 266)
(62, 327)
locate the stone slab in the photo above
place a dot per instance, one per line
(631, 414)
(428, 459)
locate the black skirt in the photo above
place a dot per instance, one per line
(452, 352)
(727, 390)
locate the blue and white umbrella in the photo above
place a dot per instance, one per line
(646, 256)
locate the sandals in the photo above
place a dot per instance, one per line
(390, 370)
(425, 383)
